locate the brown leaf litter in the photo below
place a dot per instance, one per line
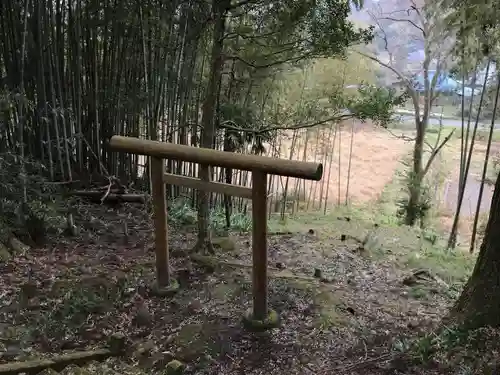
(75, 293)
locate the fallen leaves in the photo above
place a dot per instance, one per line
(78, 291)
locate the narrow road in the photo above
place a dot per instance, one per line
(447, 122)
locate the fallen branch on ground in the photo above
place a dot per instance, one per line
(117, 345)
(212, 263)
(57, 363)
(97, 196)
(364, 363)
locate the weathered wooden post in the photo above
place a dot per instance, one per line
(160, 222)
(259, 245)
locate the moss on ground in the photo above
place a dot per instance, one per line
(225, 244)
(405, 247)
(328, 307)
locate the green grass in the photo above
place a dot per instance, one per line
(450, 266)
(405, 247)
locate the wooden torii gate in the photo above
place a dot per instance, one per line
(260, 166)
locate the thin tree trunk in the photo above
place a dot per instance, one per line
(330, 162)
(464, 145)
(415, 183)
(340, 163)
(349, 165)
(453, 233)
(284, 195)
(22, 114)
(219, 9)
(485, 168)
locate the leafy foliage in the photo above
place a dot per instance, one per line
(39, 213)
(423, 206)
(294, 30)
(375, 103)
(28, 206)
(476, 29)
(181, 213)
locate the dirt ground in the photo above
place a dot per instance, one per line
(375, 156)
(72, 294)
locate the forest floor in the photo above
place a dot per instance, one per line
(373, 304)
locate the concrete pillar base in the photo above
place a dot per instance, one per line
(272, 321)
(165, 291)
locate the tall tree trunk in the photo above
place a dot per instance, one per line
(416, 177)
(219, 9)
(413, 209)
(478, 304)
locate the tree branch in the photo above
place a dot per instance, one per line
(402, 136)
(405, 20)
(271, 64)
(400, 75)
(253, 37)
(435, 151)
(231, 125)
(420, 16)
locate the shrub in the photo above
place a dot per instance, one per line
(31, 218)
(182, 213)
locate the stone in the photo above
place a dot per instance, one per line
(174, 367)
(195, 306)
(224, 243)
(143, 317)
(160, 360)
(145, 348)
(5, 255)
